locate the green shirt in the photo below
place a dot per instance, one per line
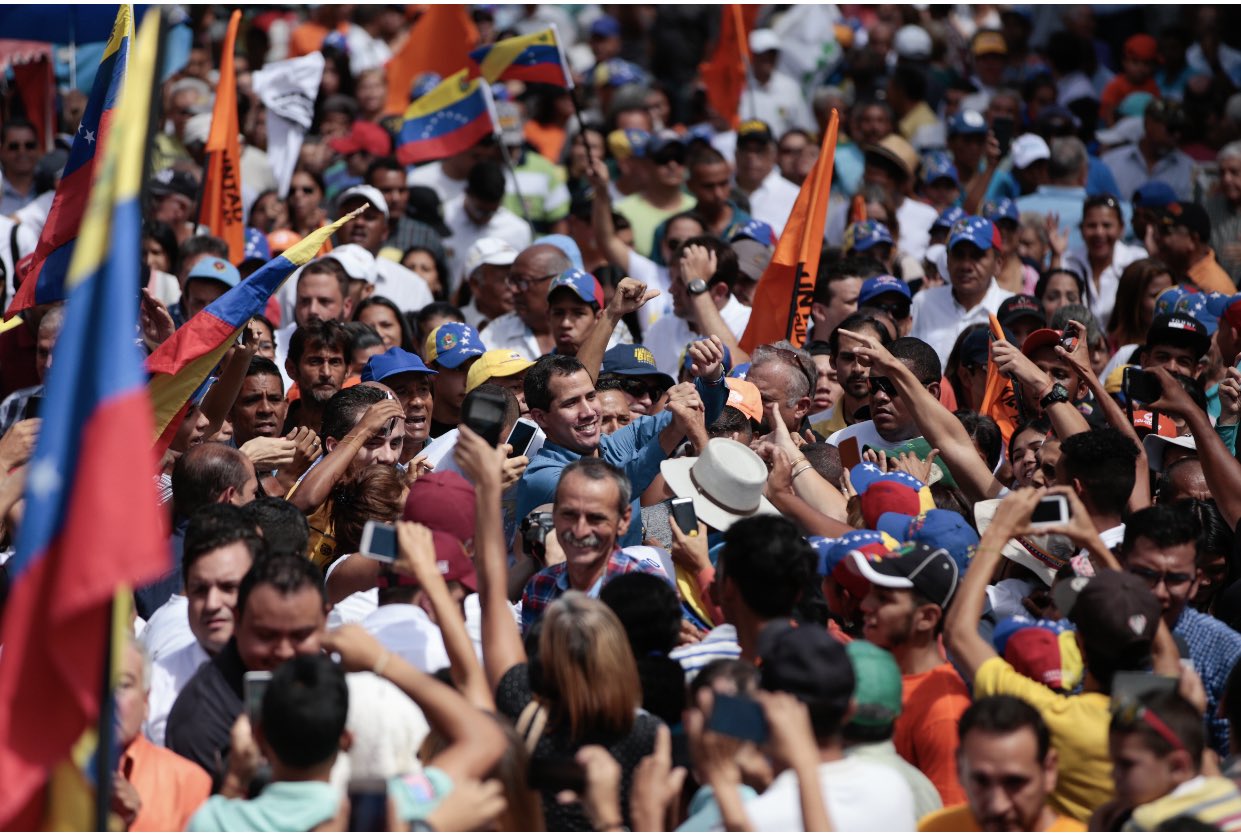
(645, 218)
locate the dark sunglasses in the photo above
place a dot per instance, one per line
(637, 388)
(1153, 578)
(22, 146)
(665, 157)
(897, 310)
(882, 384)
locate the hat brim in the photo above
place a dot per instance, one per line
(1156, 445)
(984, 513)
(676, 473)
(867, 569)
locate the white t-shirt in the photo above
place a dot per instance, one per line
(504, 225)
(433, 177)
(773, 200)
(512, 334)
(169, 675)
(168, 628)
(407, 631)
(939, 319)
(668, 338)
(439, 453)
(861, 796)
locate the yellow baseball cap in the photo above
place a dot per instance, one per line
(499, 363)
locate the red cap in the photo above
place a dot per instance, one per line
(1142, 48)
(1144, 420)
(443, 502)
(451, 560)
(1040, 338)
(363, 136)
(889, 497)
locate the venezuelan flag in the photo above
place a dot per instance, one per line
(92, 522)
(42, 273)
(535, 58)
(182, 363)
(446, 121)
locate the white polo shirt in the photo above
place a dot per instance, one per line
(512, 334)
(668, 338)
(939, 318)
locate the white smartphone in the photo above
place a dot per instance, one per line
(254, 685)
(378, 541)
(523, 433)
(1050, 510)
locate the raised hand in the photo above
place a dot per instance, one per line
(630, 295)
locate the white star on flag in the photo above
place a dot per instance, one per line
(44, 480)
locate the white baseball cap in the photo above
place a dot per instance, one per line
(492, 251)
(359, 264)
(1028, 149)
(370, 193)
(764, 40)
(912, 42)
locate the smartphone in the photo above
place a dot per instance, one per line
(254, 685)
(686, 518)
(1130, 686)
(556, 774)
(738, 717)
(1050, 510)
(483, 412)
(1002, 127)
(368, 805)
(519, 439)
(33, 406)
(378, 541)
(1141, 386)
(1068, 341)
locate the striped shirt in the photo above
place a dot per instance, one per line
(1212, 801)
(719, 643)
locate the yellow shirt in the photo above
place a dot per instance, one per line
(961, 819)
(1079, 731)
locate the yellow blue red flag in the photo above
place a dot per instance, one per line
(534, 58)
(448, 120)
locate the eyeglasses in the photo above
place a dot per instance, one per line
(21, 146)
(882, 384)
(897, 310)
(1153, 578)
(522, 284)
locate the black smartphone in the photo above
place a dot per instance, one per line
(556, 774)
(521, 436)
(368, 805)
(483, 412)
(1136, 686)
(33, 406)
(1003, 127)
(1141, 386)
(1068, 340)
(254, 685)
(686, 518)
(738, 717)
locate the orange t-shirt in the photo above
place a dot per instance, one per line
(548, 140)
(170, 786)
(1210, 277)
(926, 731)
(961, 819)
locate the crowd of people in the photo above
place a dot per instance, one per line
(967, 559)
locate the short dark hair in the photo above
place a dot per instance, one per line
(286, 574)
(731, 420)
(1180, 717)
(985, 432)
(262, 365)
(328, 266)
(596, 469)
(704, 156)
(304, 711)
(383, 164)
(537, 385)
(825, 458)
(281, 525)
(769, 562)
(648, 608)
(486, 181)
(361, 335)
(1165, 525)
(318, 334)
(727, 268)
(443, 310)
(345, 408)
(856, 322)
(203, 473)
(836, 269)
(919, 357)
(201, 245)
(1004, 715)
(1103, 461)
(214, 526)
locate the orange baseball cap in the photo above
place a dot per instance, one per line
(743, 396)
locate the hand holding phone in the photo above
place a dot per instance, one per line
(1141, 386)
(685, 516)
(378, 542)
(483, 412)
(254, 686)
(738, 717)
(519, 439)
(1051, 511)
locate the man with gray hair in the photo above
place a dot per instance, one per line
(1066, 191)
(785, 377)
(24, 403)
(1224, 209)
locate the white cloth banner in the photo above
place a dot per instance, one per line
(288, 90)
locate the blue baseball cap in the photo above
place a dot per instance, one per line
(566, 245)
(1207, 308)
(1154, 194)
(755, 230)
(584, 285)
(976, 347)
(257, 248)
(215, 269)
(937, 528)
(948, 217)
(702, 132)
(880, 284)
(863, 475)
(740, 372)
(938, 166)
(630, 142)
(832, 552)
(393, 361)
(866, 234)
(605, 26)
(1170, 300)
(967, 123)
(452, 343)
(976, 230)
(616, 72)
(660, 140)
(634, 361)
(1003, 209)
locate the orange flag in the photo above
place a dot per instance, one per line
(785, 292)
(999, 400)
(724, 74)
(221, 203)
(440, 41)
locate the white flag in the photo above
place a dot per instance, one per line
(288, 89)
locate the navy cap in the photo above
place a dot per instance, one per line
(1021, 306)
(967, 123)
(939, 166)
(605, 27)
(948, 217)
(1003, 209)
(976, 347)
(1155, 194)
(881, 284)
(755, 230)
(634, 361)
(393, 361)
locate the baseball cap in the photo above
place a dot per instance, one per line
(1144, 421)
(877, 686)
(764, 40)
(976, 230)
(1003, 209)
(170, 181)
(605, 26)
(453, 562)
(1170, 300)
(755, 129)
(634, 361)
(808, 663)
(937, 528)
(833, 556)
(932, 572)
(1115, 612)
(865, 234)
(877, 286)
(1041, 338)
(662, 139)
(989, 42)
(630, 142)
(1142, 47)
(1179, 329)
(894, 151)
(745, 398)
(976, 347)
(502, 362)
(967, 123)
(755, 230)
(1207, 308)
(282, 239)
(1190, 215)
(370, 194)
(753, 257)
(1154, 194)
(257, 248)
(948, 217)
(358, 262)
(1028, 149)
(215, 269)
(1019, 307)
(494, 252)
(393, 361)
(912, 43)
(891, 495)
(443, 501)
(363, 136)
(1156, 445)
(616, 72)
(1042, 650)
(452, 343)
(938, 166)
(584, 285)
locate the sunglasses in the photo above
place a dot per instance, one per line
(637, 389)
(1154, 578)
(666, 157)
(22, 146)
(882, 384)
(522, 284)
(897, 310)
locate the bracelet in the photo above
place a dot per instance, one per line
(796, 473)
(381, 664)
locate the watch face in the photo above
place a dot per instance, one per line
(697, 286)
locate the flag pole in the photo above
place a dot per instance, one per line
(485, 86)
(105, 763)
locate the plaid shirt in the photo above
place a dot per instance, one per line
(1213, 649)
(553, 581)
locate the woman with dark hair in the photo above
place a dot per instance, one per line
(159, 246)
(966, 368)
(434, 270)
(305, 201)
(1103, 256)
(1136, 294)
(269, 213)
(1057, 287)
(385, 317)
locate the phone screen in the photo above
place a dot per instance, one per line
(521, 436)
(1050, 510)
(33, 406)
(739, 718)
(555, 774)
(686, 518)
(368, 806)
(379, 541)
(255, 685)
